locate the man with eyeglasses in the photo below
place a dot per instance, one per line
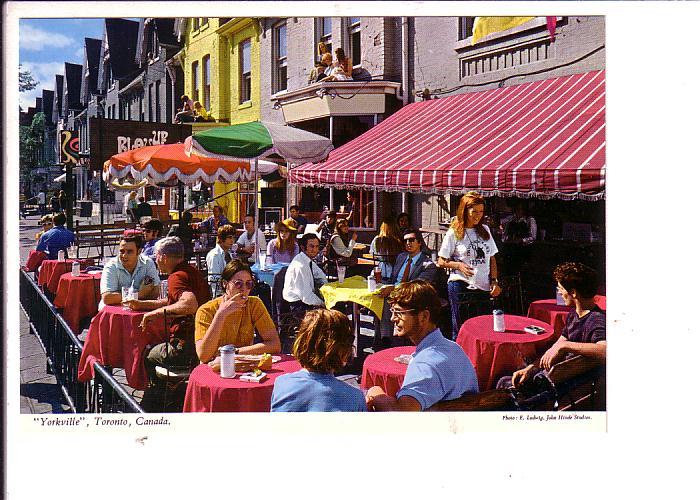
(411, 264)
(152, 231)
(187, 290)
(439, 370)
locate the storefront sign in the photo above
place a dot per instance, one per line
(110, 137)
(70, 145)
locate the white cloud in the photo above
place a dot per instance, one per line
(80, 53)
(35, 39)
(45, 73)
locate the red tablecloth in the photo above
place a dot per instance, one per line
(115, 339)
(208, 392)
(34, 260)
(78, 296)
(381, 369)
(555, 315)
(51, 271)
(497, 354)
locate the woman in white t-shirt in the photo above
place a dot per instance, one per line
(468, 251)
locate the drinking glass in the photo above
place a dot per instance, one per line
(341, 274)
(125, 297)
(472, 279)
(263, 259)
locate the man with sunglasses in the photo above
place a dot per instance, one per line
(187, 290)
(439, 370)
(411, 264)
(152, 231)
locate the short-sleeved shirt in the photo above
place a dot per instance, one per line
(474, 251)
(54, 240)
(186, 278)
(240, 326)
(305, 391)
(149, 249)
(439, 371)
(588, 329)
(115, 276)
(245, 240)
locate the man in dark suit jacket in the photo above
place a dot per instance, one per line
(410, 265)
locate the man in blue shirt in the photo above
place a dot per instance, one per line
(439, 370)
(131, 268)
(152, 232)
(215, 220)
(410, 265)
(57, 239)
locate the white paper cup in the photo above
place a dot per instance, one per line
(341, 274)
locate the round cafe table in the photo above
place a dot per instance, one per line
(51, 271)
(553, 314)
(78, 296)
(115, 339)
(207, 391)
(381, 369)
(495, 354)
(34, 260)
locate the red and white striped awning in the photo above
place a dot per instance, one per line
(543, 139)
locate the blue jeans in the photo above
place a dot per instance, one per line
(466, 303)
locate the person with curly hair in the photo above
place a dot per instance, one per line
(323, 346)
(584, 330)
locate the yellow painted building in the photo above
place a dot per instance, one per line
(221, 64)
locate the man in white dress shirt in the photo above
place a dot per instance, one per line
(304, 278)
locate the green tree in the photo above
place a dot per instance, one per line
(26, 80)
(31, 146)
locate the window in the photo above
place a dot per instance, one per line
(128, 109)
(204, 20)
(155, 47)
(158, 101)
(150, 103)
(195, 23)
(244, 64)
(279, 57)
(206, 81)
(141, 113)
(195, 81)
(354, 37)
(325, 31)
(465, 28)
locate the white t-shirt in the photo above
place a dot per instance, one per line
(244, 241)
(473, 251)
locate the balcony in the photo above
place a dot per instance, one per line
(320, 100)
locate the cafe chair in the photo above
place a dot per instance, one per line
(511, 298)
(494, 400)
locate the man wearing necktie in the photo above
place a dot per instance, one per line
(304, 278)
(411, 264)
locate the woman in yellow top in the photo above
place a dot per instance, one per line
(233, 318)
(201, 113)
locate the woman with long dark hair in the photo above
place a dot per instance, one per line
(468, 250)
(341, 245)
(387, 245)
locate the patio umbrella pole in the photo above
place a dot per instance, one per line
(255, 233)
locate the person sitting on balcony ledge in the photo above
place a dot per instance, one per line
(322, 69)
(201, 113)
(186, 113)
(342, 68)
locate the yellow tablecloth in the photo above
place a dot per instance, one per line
(353, 289)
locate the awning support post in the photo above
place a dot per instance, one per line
(257, 213)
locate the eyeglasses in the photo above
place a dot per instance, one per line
(399, 313)
(239, 284)
(409, 240)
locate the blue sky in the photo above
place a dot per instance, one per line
(45, 44)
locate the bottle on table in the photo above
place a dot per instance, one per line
(499, 321)
(228, 361)
(75, 268)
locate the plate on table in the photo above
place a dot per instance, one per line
(255, 358)
(94, 272)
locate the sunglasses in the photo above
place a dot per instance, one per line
(409, 240)
(239, 284)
